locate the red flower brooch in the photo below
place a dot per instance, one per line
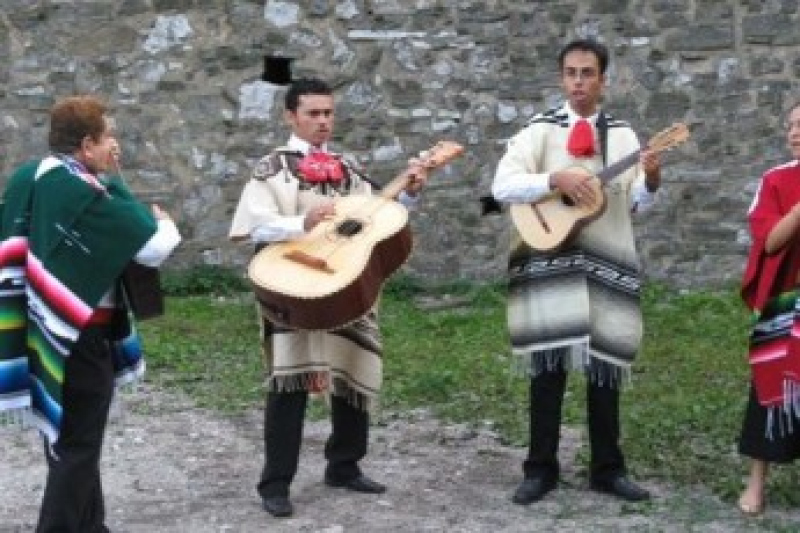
(320, 167)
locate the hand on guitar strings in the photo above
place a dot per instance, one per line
(317, 214)
(575, 185)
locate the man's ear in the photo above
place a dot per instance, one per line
(290, 117)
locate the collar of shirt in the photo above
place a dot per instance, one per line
(79, 169)
(296, 143)
(573, 117)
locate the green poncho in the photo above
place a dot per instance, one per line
(65, 238)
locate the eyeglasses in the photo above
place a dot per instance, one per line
(580, 74)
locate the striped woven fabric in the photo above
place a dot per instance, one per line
(64, 244)
(775, 359)
(577, 306)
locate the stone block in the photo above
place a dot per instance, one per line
(701, 37)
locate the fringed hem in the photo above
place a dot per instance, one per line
(563, 358)
(17, 417)
(354, 397)
(17, 413)
(603, 373)
(575, 357)
(322, 383)
(783, 417)
(306, 381)
(130, 376)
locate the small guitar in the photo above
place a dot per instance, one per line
(552, 220)
(333, 274)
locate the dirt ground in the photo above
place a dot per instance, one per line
(171, 467)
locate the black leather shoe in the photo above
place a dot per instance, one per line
(359, 483)
(623, 488)
(532, 489)
(277, 506)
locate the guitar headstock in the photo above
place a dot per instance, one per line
(440, 154)
(669, 138)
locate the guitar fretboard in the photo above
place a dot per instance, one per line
(619, 167)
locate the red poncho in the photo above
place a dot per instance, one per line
(768, 288)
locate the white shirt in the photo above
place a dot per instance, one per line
(156, 250)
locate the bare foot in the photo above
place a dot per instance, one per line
(751, 502)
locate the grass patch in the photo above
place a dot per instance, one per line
(209, 347)
(681, 414)
(203, 280)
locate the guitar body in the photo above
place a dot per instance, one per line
(333, 275)
(548, 223)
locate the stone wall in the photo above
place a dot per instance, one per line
(186, 79)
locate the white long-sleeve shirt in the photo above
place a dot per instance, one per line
(156, 250)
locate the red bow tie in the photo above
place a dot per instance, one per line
(319, 167)
(581, 139)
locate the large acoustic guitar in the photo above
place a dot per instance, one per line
(550, 222)
(333, 274)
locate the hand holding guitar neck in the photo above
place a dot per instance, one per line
(651, 164)
(414, 178)
(417, 176)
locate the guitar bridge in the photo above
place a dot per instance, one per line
(309, 260)
(540, 217)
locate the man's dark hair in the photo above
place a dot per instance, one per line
(72, 120)
(302, 87)
(585, 45)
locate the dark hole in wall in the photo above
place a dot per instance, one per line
(277, 70)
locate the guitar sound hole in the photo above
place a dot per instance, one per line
(349, 227)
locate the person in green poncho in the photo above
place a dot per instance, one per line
(67, 233)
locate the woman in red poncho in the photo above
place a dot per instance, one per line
(771, 429)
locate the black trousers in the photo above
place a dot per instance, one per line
(602, 407)
(283, 433)
(73, 495)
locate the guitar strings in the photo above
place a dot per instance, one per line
(372, 204)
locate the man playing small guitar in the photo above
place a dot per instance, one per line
(291, 191)
(576, 306)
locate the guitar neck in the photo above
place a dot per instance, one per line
(393, 189)
(619, 167)
(440, 154)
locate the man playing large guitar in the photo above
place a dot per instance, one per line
(291, 191)
(576, 306)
